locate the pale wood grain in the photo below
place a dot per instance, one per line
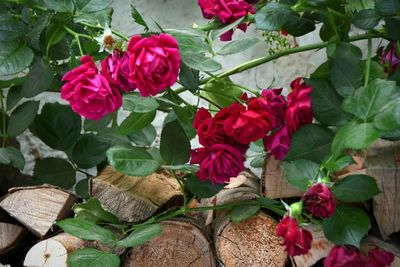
(10, 236)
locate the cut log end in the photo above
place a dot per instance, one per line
(252, 242)
(10, 236)
(181, 244)
(47, 253)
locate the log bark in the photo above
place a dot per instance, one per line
(38, 207)
(132, 198)
(273, 182)
(10, 236)
(252, 242)
(181, 244)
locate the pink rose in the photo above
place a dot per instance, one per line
(345, 256)
(278, 143)
(296, 240)
(390, 59)
(378, 257)
(115, 68)
(88, 92)
(320, 201)
(218, 163)
(154, 62)
(298, 111)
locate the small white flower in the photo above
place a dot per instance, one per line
(106, 40)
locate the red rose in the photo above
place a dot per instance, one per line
(276, 104)
(88, 92)
(378, 257)
(298, 111)
(390, 59)
(115, 68)
(154, 63)
(246, 126)
(345, 256)
(218, 163)
(209, 131)
(296, 240)
(320, 201)
(278, 143)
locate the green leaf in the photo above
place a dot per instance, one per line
(392, 25)
(300, 173)
(111, 136)
(54, 34)
(96, 126)
(237, 46)
(136, 121)
(82, 188)
(339, 164)
(137, 103)
(225, 28)
(90, 257)
(367, 102)
(201, 62)
(202, 189)
(376, 70)
(355, 188)
(185, 116)
(272, 204)
(388, 7)
(222, 91)
(258, 162)
(322, 72)
(272, 16)
(312, 142)
(355, 135)
(86, 230)
(91, 210)
(89, 151)
(101, 17)
(141, 236)
(10, 30)
(346, 72)
(66, 6)
(326, 103)
(297, 25)
(13, 97)
(132, 160)
(366, 19)
(57, 126)
(389, 119)
(189, 78)
(347, 226)
(54, 171)
(243, 212)
(11, 155)
(138, 18)
(33, 36)
(144, 137)
(88, 6)
(22, 117)
(14, 58)
(40, 78)
(174, 144)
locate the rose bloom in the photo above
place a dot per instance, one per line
(276, 104)
(247, 125)
(298, 111)
(278, 143)
(390, 59)
(88, 92)
(154, 62)
(378, 257)
(320, 201)
(296, 240)
(218, 163)
(345, 256)
(227, 11)
(115, 68)
(208, 129)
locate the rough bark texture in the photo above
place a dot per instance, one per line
(181, 245)
(38, 207)
(383, 164)
(252, 242)
(10, 236)
(273, 182)
(131, 198)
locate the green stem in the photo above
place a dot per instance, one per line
(120, 35)
(208, 100)
(4, 114)
(368, 65)
(75, 34)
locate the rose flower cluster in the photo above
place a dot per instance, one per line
(226, 136)
(150, 64)
(227, 12)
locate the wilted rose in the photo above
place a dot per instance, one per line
(320, 201)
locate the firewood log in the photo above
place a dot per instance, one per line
(132, 198)
(181, 244)
(38, 207)
(10, 236)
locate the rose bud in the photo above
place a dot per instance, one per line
(390, 59)
(296, 240)
(378, 257)
(88, 92)
(319, 201)
(345, 256)
(154, 62)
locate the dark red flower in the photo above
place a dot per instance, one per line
(378, 257)
(278, 143)
(276, 104)
(115, 68)
(208, 129)
(320, 201)
(296, 240)
(390, 59)
(298, 111)
(345, 256)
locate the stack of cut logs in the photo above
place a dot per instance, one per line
(28, 237)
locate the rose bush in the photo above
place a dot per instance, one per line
(345, 105)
